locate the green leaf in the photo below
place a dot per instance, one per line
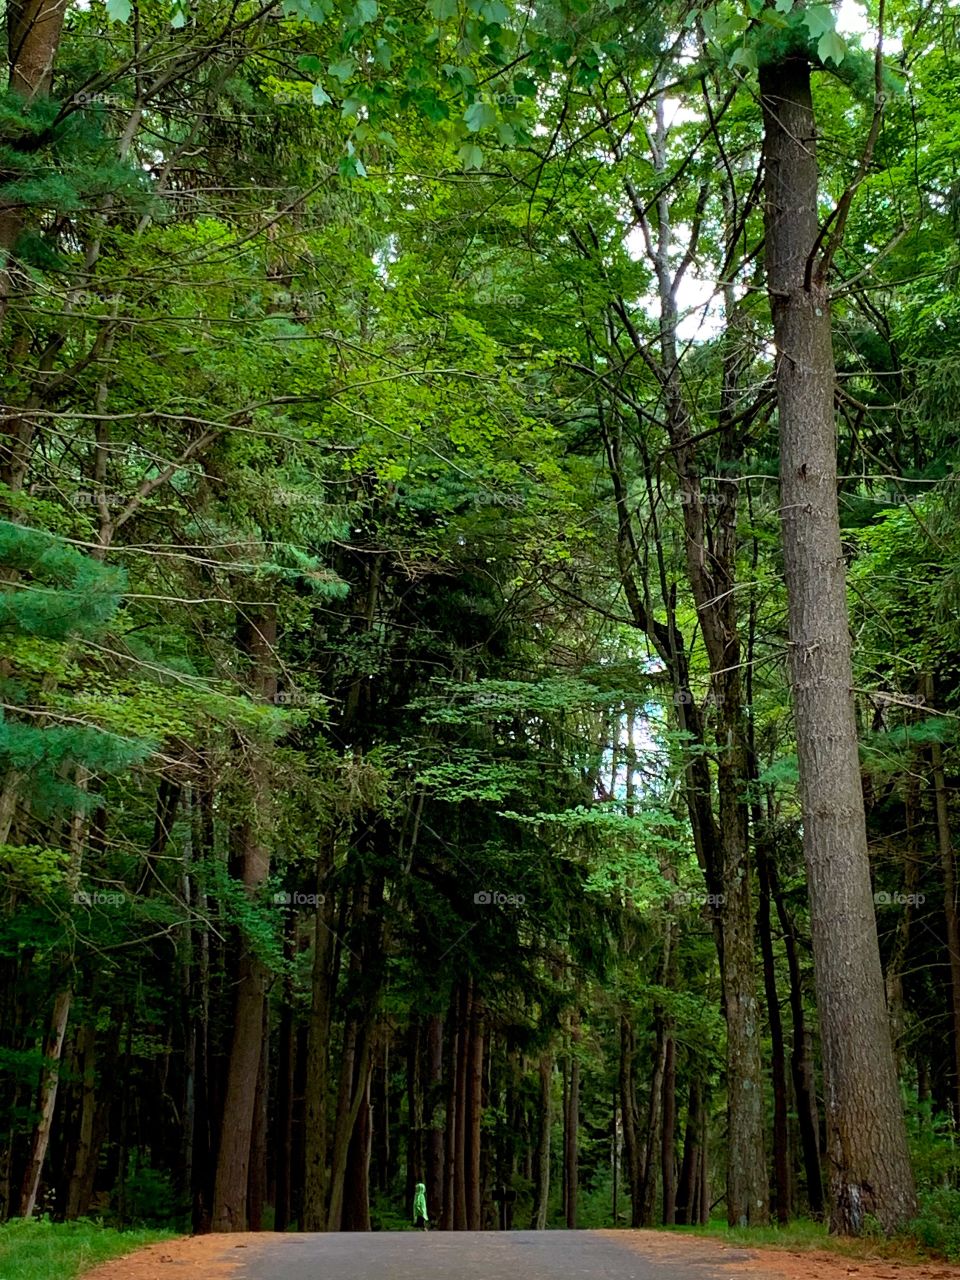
(442, 9)
(351, 167)
(818, 18)
(119, 10)
(479, 115)
(744, 57)
(320, 96)
(506, 134)
(832, 46)
(495, 11)
(383, 54)
(470, 156)
(783, 6)
(343, 69)
(366, 11)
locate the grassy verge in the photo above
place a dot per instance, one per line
(39, 1249)
(805, 1235)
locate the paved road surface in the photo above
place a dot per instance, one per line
(482, 1255)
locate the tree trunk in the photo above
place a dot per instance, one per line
(630, 1120)
(474, 1111)
(355, 1215)
(52, 1050)
(286, 1067)
(357, 1069)
(778, 1068)
(257, 636)
(688, 1204)
(460, 1118)
(434, 1103)
(452, 1107)
(651, 1146)
(668, 1166)
(317, 1067)
(541, 1190)
(571, 1130)
(948, 868)
(866, 1137)
(87, 1053)
(802, 1071)
(257, 1176)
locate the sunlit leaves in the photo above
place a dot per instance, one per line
(831, 47)
(470, 156)
(479, 115)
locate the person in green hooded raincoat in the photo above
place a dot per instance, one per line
(420, 1218)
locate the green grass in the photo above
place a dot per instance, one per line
(44, 1250)
(805, 1234)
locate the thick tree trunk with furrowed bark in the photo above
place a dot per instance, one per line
(866, 1140)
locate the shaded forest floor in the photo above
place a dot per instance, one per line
(220, 1257)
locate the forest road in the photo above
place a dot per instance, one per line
(494, 1255)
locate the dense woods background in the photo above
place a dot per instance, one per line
(398, 768)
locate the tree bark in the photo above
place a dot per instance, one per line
(317, 1065)
(948, 868)
(460, 1117)
(778, 1067)
(257, 638)
(571, 1131)
(433, 1106)
(668, 1165)
(630, 1120)
(866, 1138)
(474, 1111)
(688, 1203)
(541, 1190)
(802, 1071)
